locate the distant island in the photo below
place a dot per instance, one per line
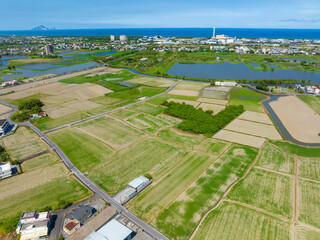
(42, 28)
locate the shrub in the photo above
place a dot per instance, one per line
(29, 104)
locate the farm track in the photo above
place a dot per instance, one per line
(225, 193)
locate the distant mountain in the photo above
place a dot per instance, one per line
(42, 28)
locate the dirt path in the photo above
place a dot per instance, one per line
(225, 193)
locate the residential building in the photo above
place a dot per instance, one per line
(123, 38)
(38, 115)
(48, 49)
(5, 170)
(139, 183)
(71, 227)
(112, 38)
(113, 230)
(80, 213)
(33, 225)
(4, 126)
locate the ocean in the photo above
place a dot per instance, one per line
(177, 32)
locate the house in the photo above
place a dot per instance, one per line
(139, 183)
(5, 170)
(80, 213)
(4, 126)
(113, 230)
(33, 225)
(71, 227)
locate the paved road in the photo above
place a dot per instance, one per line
(89, 184)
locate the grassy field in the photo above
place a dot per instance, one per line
(114, 132)
(158, 195)
(84, 151)
(20, 62)
(298, 150)
(152, 81)
(123, 113)
(309, 168)
(312, 101)
(147, 108)
(169, 119)
(147, 123)
(147, 156)
(183, 139)
(249, 99)
(41, 161)
(309, 202)
(231, 221)
(213, 146)
(42, 196)
(274, 159)
(179, 219)
(266, 190)
(307, 234)
(23, 143)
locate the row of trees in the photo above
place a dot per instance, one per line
(26, 108)
(200, 121)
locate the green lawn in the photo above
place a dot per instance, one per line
(183, 139)
(41, 161)
(114, 132)
(147, 122)
(213, 146)
(249, 99)
(147, 156)
(309, 203)
(158, 195)
(231, 221)
(312, 101)
(84, 151)
(266, 190)
(298, 150)
(275, 159)
(309, 168)
(179, 219)
(147, 108)
(42, 196)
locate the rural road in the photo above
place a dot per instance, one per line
(89, 184)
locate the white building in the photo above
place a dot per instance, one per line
(139, 183)
(123, 38)
(5, 170)
(113, 230)
(226, 83)
(112, 38)
(33, 225)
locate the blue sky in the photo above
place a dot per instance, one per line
(69, 14)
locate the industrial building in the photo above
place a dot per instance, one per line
(5, 170)
(139, 183)
(113, 230)
(33, 225)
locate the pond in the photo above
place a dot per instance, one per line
(273, 66)
(238, 71)
(254, 64)
(40, 66)
(5, 60)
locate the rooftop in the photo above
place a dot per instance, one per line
(2, 121)
(71, 225)
(138, 181)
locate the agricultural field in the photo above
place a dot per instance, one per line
(152, 81)
(294, 113)
(123, 113)
(213, 146)
(147, 123)
(4, 109)
(41, 161)
(213, 101)
(146, 156)
(309, 168)
(188, 88)
(274, 159)
(169, 119)
(110, 131)
(232, 221)
(23, 143)
(256, 117)
(209, 106)
(240, 138)
(189, 102)
(147, 108)
(179, 219)
(160, 99)
(304, 233)
(180, 138)
(84, 151)
(155, 198)
(312, 101)
(216, 92)
(309, 203)
(254, 129)
(298, 150)
(265, 190)
(249, 99)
